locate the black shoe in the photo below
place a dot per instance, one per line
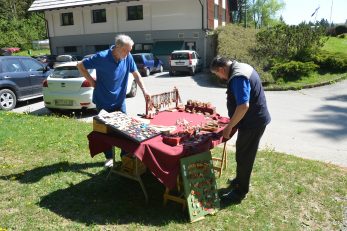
(231, 197)
(233, 183)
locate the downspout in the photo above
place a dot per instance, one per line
(203, 29)
(47, 33)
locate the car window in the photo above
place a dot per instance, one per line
(64, 58)
(31, 65)
(137, 58)
(179, 56)
(67, 72)
(11, 65)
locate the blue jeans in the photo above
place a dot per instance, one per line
(109, 153)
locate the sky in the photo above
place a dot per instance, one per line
(297, 11)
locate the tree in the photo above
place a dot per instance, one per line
(264, 12)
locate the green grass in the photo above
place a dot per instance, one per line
(313, 80)
(336, 45)
(33, 52)
(48, 181)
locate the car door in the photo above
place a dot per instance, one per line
(149, 62)
(157, 63)
(13, 73)
(36, 73)
(199, 62)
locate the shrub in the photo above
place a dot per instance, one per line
(331, 62)
(283, 42)
(340, 29)
(237, 42)
(292, 71)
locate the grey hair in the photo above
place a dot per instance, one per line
(122, 40)
(219, 61)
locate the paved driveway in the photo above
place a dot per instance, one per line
(310, 123)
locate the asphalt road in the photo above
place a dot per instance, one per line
(310, 123)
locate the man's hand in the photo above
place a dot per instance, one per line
(147, 96)
(226, 132)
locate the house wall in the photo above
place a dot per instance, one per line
(163, 20)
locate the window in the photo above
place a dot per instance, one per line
(67, 19)
(99, 16)
(70, 49)
(135, 12)
(12, 65)
(101, 47)
(216, 11)
(147, 47)
(31, 65)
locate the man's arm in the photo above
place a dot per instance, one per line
(86, 74)
(239, 113)
(139, 81)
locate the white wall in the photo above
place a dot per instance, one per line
(157, 15)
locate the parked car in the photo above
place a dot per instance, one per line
(185, 61)
(66, 88)
(20, 79)
(61, 59)
(147, 63)
(49, 60)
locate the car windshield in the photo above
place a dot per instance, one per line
(179, 56)
(137, 58)
(67, 72)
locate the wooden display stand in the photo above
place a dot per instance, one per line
(132, 168)
(220, 164)
(176, 195)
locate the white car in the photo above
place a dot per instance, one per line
(185, 61)
(66, 88)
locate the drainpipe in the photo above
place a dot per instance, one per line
(204, 30)
(47, 32)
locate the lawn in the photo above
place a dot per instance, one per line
(336, 45)
(48, 181)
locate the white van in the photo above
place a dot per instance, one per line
(185, 61)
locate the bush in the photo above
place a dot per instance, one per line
(330, 62)
(237, 42)
(292, 71)
(340, 29)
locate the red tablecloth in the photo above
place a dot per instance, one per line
(161, 159)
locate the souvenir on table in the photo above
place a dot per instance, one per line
(127, 126)
(195, 106)
(164, 101)
(200, 186)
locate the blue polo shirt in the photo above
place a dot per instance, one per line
(241, 88)
(111, 79)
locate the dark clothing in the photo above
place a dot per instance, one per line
(247, 144)
(257, 114)
(251, 127)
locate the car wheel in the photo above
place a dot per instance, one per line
(146, 72)
(133, 90)
(161, 69)
(8, 99)
(171, 73)
(192, 71)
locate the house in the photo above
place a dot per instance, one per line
(157, 26)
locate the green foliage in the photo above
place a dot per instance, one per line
(340, 29)
(237, 42)
(331, 62)
(293, 70)
(21, 32)
(283, 42)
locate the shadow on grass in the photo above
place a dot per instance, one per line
(36, 174)
(97, 200)
(115, 201)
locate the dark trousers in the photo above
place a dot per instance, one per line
(247, 144)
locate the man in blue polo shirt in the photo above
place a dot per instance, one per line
(112, 69)
(248, 112)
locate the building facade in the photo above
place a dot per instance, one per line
(157, 26)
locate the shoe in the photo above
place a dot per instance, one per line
(109, 163)
(233, 183)
(232, 197)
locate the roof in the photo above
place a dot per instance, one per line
(42, 5)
